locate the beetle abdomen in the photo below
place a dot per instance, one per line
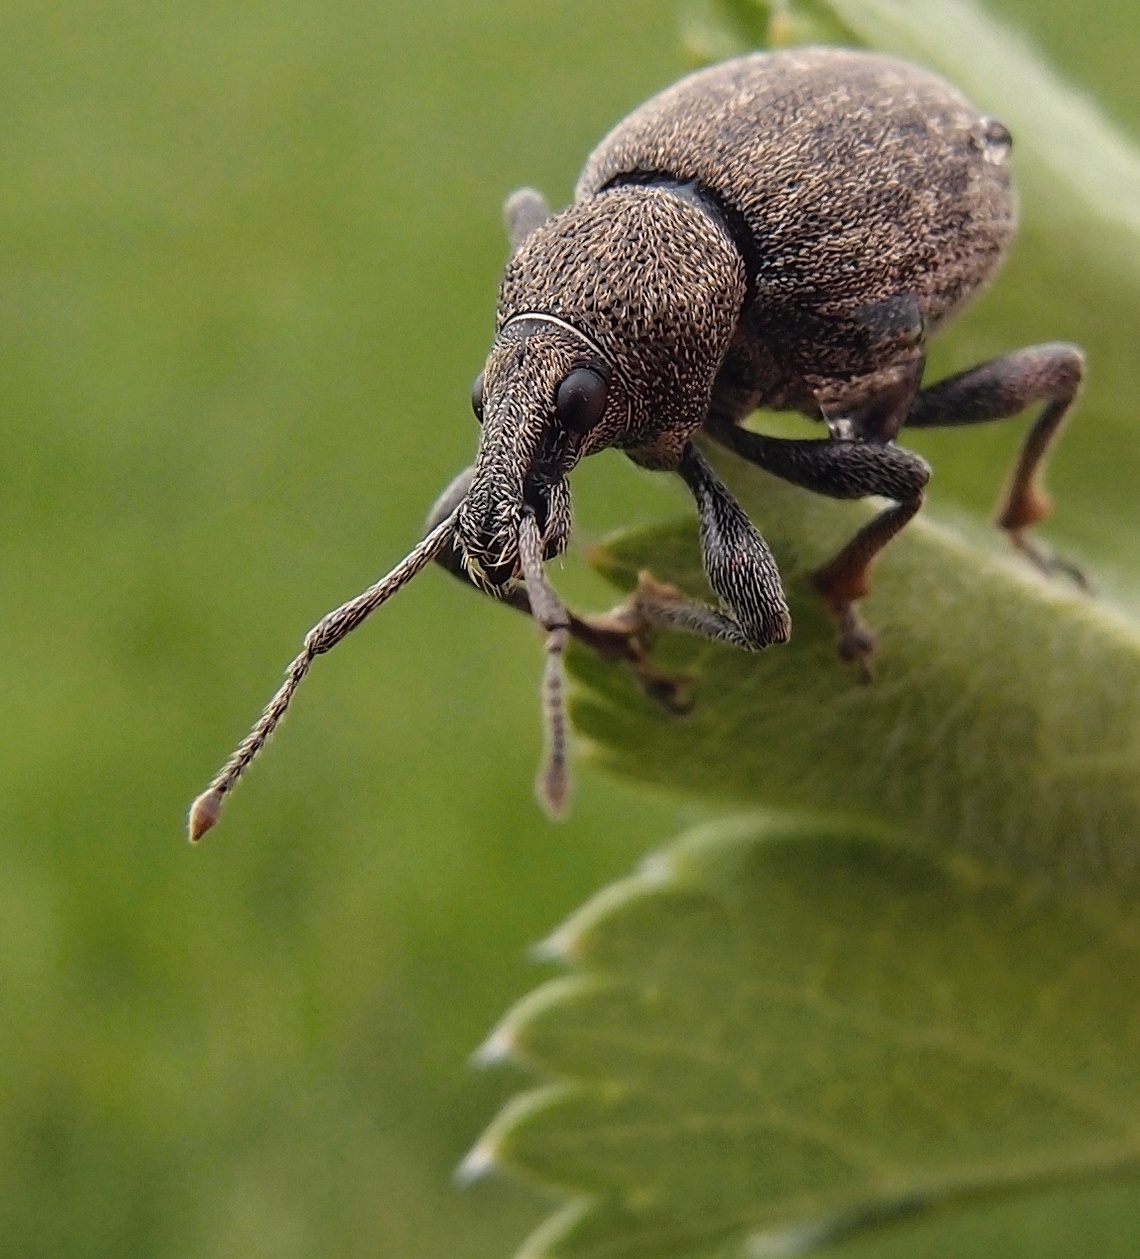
(859, 178)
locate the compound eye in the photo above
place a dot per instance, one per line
(581, 399)
(477, 397)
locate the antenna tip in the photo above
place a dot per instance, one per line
(553, 790)
(204, 813)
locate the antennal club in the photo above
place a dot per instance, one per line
(553, 783)
(324, 636)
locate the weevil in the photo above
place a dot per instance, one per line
(781, 231)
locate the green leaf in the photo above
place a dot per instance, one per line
(785, 1035)
(1004, 720)
(778, 1035)
(906, 1024)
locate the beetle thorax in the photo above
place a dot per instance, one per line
(656, 284)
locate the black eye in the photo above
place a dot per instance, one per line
(580, 400)
(477, 397)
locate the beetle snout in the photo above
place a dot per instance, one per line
(493, 573)
(487, 528)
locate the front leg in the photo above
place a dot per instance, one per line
(739, 566)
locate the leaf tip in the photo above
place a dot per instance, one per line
(560, 946)
(657, 868)
(788, 1243)
(478, 1164)
(499, 1048)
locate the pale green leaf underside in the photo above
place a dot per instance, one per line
(1004, 720)
(774, 1035)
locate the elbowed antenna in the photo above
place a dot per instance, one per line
(325, 635)
(553, 783)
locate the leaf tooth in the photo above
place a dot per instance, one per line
(499, 1048)
(549, 1240)
(480, 1162)
(560, 946)
(787, 1243)
(658, 868)
(571, 943)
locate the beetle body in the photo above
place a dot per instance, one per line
(783, 231)
(820, 158)
(865, 201)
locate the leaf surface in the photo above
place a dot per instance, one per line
(1004, 719)
(783, 1036)
(777, 1035)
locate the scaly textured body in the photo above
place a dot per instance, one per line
(860, 180)
(783, 230)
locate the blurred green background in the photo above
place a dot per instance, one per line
(248, 261)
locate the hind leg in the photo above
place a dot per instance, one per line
(997, 390)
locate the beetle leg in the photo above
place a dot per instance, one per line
(836, 469)
(739, 566)
(619, 635)
(844, 470)
(997, 390)
(845, 580)
(523, 211)
(741, 571)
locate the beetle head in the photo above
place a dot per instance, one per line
(650, 278)
(613, 319)
(542, 399)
